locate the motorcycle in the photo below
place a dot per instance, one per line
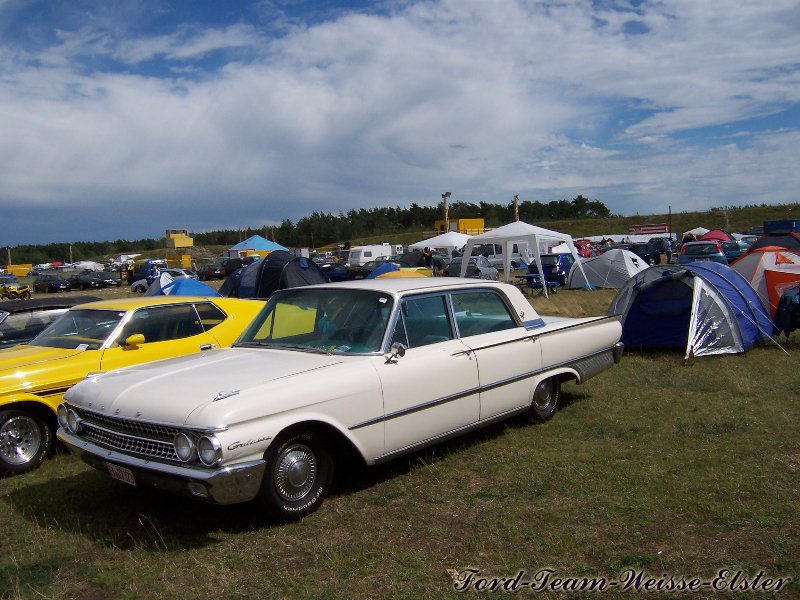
(15, 291)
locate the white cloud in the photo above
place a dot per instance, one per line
(486, 99)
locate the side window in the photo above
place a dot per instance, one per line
(162, 323)
(481, 312)
(367, 253)
(210, 315)
(424, 321)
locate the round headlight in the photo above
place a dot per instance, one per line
(73, 421)
(209, 450)
(61, 415)
(184, 447)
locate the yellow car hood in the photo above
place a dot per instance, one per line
(23, 356)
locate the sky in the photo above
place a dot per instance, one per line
(122, 118)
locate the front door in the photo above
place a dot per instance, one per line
(169, 330)
(433, 389)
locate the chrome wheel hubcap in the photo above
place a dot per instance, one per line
(20, 440)
(543, 395)
(296, 472)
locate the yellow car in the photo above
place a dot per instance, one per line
(100, 336)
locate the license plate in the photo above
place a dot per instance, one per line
(121, 473)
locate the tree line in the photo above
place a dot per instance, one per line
(319, 228)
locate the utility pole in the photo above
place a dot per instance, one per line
(516, 207)
(445, 197)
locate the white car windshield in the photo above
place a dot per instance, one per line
(333, 321)
(79, 329)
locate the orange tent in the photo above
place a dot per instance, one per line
(770, 270)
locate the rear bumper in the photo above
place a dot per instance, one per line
(227, 485)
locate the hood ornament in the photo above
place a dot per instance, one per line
(225, 394)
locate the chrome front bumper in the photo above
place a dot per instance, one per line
(226, 485)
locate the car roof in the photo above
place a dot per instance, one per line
(402, 285)
(13, 306)
(132, 303)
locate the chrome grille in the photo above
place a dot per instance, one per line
(147, 440)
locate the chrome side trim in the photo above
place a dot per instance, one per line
(450, 434)
(586, 366)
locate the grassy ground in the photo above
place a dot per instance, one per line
(656, 466)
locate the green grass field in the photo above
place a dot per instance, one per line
(666, 469)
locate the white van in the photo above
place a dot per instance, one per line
(494, 252)
(361, 255)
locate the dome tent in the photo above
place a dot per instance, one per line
(166, 285)
(279, 270)
(770, 271)
(611, 269)
(704, 307)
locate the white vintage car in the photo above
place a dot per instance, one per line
(377, 367)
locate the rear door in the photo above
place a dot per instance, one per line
(507, 356)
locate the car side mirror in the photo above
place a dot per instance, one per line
(137, 339)
(396, 350)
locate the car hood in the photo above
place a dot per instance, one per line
(13, 359)
(170, 391)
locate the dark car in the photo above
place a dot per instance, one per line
(231, 265)
(556, 268)
(212, 271)
(94, 280)
(51, 283)
(477, 266)
(335, 271)
(22, 320)
(701, 251)
(645, 250)
(363, 271)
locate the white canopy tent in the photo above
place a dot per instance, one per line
(446, 241)
(523, 234)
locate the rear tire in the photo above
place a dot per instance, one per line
(546, 398)
(25, 441)
(297, 477)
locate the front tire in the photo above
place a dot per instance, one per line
(297, 477)
(25, 441)
(546, 398)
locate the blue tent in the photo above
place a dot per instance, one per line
(386, 267)
(705, 307)
(184, 287)
(258, 243)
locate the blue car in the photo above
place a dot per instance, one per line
(702, 251)
(335, 271)
(556, 268)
